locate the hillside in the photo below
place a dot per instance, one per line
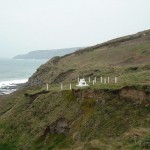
(99, 117)
(46, 54)
(122, 57)
(79, 119)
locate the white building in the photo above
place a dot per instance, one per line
(82, 83)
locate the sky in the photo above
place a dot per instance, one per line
(27, 25)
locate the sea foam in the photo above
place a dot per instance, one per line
(12, 82)
(7, 87)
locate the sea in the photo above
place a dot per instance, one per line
(14, 72)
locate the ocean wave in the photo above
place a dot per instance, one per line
(12, 82)
(7, 87)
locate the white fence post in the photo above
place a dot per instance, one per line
(47, 87)
(116, 79)
(70, 86)
(95, 80)
(61, 86)
(89, 79)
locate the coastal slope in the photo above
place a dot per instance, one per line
(119, 57)
(101, 116)
(83, 119)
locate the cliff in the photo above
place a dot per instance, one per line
(123, 57)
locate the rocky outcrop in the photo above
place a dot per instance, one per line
(60, 126)
(137, 96)
(134, 94)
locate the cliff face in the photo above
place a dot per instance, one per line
(117, 56)
(78, 119)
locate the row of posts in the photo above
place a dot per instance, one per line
(103, 80)
(61, 86)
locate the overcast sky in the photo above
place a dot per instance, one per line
(27, 25)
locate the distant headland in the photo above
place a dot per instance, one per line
(47, 54)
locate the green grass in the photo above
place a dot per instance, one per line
(36, 92)
(98, 116)
(101, 121)
(5, 147)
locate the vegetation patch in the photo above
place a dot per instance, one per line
(31, 93)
